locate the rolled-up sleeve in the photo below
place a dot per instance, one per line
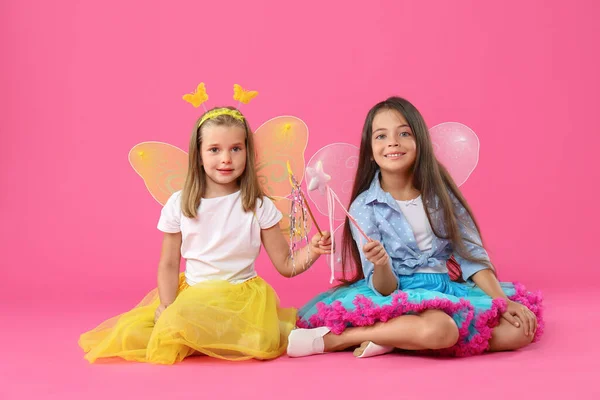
(473, 244)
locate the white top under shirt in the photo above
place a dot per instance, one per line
(223, 241)
(414, 212)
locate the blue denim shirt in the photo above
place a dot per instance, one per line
(380, 217)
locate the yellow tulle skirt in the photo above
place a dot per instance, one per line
(216, 318)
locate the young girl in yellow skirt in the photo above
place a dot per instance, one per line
(219, 306)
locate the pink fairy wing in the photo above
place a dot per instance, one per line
(456, 146)
(338, 161)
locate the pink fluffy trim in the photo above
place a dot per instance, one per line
(367, 313)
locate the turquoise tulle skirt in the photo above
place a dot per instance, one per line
(475, 313)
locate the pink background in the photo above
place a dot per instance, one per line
(83, 82)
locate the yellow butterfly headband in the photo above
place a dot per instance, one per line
(199, 97)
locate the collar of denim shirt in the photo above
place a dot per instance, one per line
(376, 193)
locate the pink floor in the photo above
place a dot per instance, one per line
(41, 360)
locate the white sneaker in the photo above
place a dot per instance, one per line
(306, 342)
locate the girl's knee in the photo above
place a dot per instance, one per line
(518, 339)
(507, 337)
(441, 334)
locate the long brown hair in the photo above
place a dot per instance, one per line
(194, 187)
(429, 177)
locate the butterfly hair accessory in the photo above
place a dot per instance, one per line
(199, 97)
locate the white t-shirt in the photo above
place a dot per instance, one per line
(414, 212)
(223, 241)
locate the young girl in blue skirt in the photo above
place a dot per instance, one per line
(413, 218)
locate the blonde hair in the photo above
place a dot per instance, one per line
(195, 181)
